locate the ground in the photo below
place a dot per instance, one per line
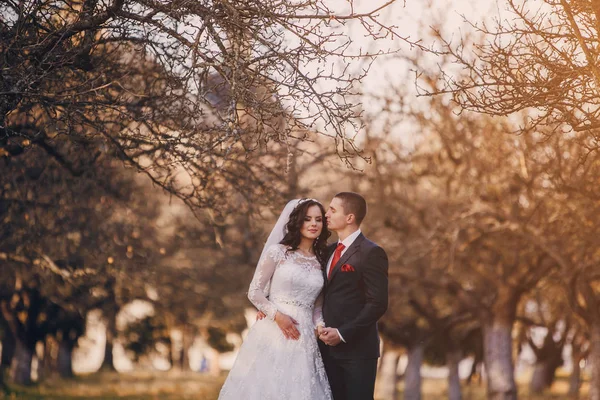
(129, 386)
(184, 386)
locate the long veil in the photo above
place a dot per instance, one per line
(279, 230)
(278, 233)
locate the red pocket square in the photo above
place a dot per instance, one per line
(347, 268)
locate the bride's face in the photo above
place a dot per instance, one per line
(313, 223)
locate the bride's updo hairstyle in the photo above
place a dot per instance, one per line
(293, 237)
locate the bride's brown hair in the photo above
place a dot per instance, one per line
(293, 237)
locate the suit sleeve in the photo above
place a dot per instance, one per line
(375, 278)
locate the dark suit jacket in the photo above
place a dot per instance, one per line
(355, 300)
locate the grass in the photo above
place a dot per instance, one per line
(435, 389)
(127, 386)
(184, 386)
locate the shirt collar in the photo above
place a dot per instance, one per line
(351, 238)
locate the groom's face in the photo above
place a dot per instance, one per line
(336, 218)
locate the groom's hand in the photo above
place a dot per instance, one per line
(330, 336)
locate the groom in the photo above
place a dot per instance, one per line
(356, 296)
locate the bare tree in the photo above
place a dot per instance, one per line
(540, 56)
(189, 93)
(485, 201)
(69, 244)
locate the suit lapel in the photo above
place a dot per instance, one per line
(346, 256)
(330, 251)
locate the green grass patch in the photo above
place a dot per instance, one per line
(188, 386)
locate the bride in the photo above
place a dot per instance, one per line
(280, 358)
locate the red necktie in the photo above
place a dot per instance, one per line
(336, 257)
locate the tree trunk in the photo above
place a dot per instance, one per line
(497, 341)
(8, 348)
(548, 359)
(539, 378)
(2, 374)
(387, 378)
(21, 363)
(8, 352)
(108, 362)
(575, 378)
(551, 374)
(475, 371)
(170, 356)
(187, 340)
(111, 333)
(595, 361)
(64, 360)
(454, 391)
(412, 375)
(184, 361)
(543, 376)
(50, 355)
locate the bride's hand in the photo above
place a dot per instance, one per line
(287, 325)
(318, 330)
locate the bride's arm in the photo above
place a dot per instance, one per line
(318, 311)
(262, 276)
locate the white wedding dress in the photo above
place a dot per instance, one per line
(269, 366)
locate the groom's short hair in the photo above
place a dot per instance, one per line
(353, 203)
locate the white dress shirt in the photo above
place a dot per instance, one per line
(347, 243)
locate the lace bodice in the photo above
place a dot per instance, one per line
(287, 278)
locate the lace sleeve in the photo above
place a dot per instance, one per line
(318, 311)
(260, 281)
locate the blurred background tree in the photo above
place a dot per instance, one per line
(546, 71)
(145, 148)
(194, 96)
